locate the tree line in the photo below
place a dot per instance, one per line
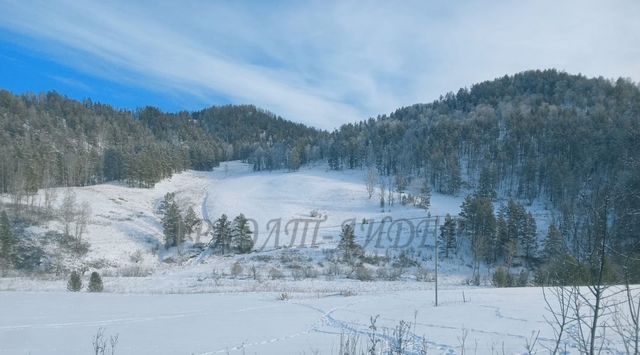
(537, 135)
(48, 140)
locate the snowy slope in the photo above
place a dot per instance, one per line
(495, 320)
(125, 224)
(194, 306)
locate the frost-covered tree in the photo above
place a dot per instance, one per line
(172, 224)
(553, 244)
(221, 235)
(95, 283)
(371, 180)
(241, 237)
(191, 221)
(74, 283)
(478, 222)
(487, 184)
(82, 216)
(448, 236)
(349, 249)
(425, 195)
(529, 238)
(67, 210)
(8, 242)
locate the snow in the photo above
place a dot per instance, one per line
(259, 323)
(125, 223)
(195, 307)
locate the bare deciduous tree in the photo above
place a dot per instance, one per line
(626, 318)
(100, 344)
(82, 215)
(558, 304)
(67, 211)
(372, 178)
(382, 193)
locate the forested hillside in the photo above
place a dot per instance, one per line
(566, 140)
(267, 141)
(48, 140)
(545, 135)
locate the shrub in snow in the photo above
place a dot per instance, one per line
(501, 278)
(297, 273)
(363, 273)
(75, 282)
(347, 293)
(236, 269)
(95, 283)
(382, 274)
(310, 272)
(275, 274)
(422, 274)
(254, 273)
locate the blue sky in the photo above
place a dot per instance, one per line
(323, 63)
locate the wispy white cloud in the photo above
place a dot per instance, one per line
(328, 62)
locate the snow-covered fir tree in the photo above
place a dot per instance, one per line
(221, 235)
(241, 236)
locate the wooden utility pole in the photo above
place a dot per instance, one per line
(435, 233)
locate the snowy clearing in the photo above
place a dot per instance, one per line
(259, 323)
(194, 306)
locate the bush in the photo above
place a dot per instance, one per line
(363, 273)
(502, 278)
(236, 269)
(382, 274)
(254, 273)
(95, 283)
(523, 279)
(69, 244)
(75, 282)
(310, 272)
(404, 260)
(564, 270)
(422, 274)
(297, 273)
(134, 271)
(275, 274)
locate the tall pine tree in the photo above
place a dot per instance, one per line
(241, 235)
(553, 244)
(529, 238)
(221, 238)
(350, 250)
(172, 223)
(448, 236)
(7, 242)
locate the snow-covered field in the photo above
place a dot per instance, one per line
(259, 323)
(192, 305)
(125, 233)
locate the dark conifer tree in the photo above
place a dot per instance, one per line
(8, 242)
(351, 251)
(241, 237)
(554, 244)
(448, 236)
(221, 238)
(95, 283)
(172, 223)
(74, 283)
